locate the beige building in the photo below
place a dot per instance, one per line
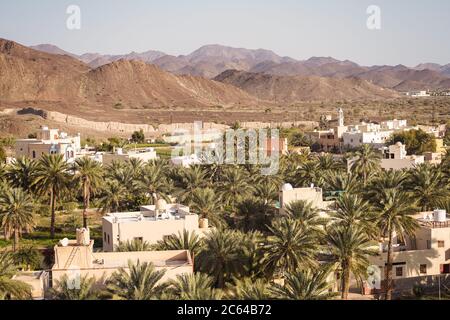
(144, 155)
(395, 158)
(151, 224)
(422, 258)
(77, 258)
(313, 195)
(49, 141)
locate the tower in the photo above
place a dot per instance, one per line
(341, 117)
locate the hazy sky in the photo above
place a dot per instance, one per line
(412, 31)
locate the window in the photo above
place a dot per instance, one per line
(104, 236)
(423, 269)
(428, 244)
(441, 244)
(34, 154)
(399, 271)
(108, 239)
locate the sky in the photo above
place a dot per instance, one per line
(411, 31)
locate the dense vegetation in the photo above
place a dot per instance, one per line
(254, 252)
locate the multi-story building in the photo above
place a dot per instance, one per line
(395, 158)
(420, 259)
(49, 141)
(151, 224)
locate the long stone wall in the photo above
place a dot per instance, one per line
(115, 127)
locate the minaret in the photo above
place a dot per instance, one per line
(341, 117)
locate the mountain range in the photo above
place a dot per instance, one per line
(212, 76)
(211, 60)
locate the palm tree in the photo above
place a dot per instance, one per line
(191, 179)
(343, 182)
(221, 256)
(139, 282)
(133, 246)
(85, 289)
(395, 210)
(29, 258)
(353, 210)
(113, 196)
(234, 186)
(267, 192)
(52, 178)
(365, 162)
(427, 184)
(304, 285)
(20, 173)
(207, 205)
(154, 183)
(349, 248)
(249, 289)
(290, 246)
(89, 177)
(196, 286)
(252, 214)
(305, 212)
(183, 241)
(16, 213)
(309, 173)
(10, 288)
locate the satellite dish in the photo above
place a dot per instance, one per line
(64, 242)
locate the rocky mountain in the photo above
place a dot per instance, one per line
(211, 60)
(291, 89)
(31, 75)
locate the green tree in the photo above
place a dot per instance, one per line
(10, 288)
(63, 289)
(365, 162)
(197, 286)
(138, 136)
(221, 256)
(139, 282)
(88, 175)
(28, 258)
(16, 213)
(304, 285)
(249, 289)
(52, 178)
(349, 248)
(395, 210)
(415, 141)
(290, 246)
(181, 241)
(207, 205)
(133, 246)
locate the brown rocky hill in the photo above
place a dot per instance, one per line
(30, 75)
(290, 89)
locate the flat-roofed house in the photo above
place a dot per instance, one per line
(151, 224)
(49, 141)
(420, 259)
(78, 258)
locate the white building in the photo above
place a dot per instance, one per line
(151, 224)
(356, 138)
(314, 195)
(185, 161)
(145, 155)
(49, 141)
(395, 158)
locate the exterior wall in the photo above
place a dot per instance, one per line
(174, 262)
(150, 231)
(356, 139)
(399, 164)
(313, 195)
(108, 158)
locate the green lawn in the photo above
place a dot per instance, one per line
(66, 225)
